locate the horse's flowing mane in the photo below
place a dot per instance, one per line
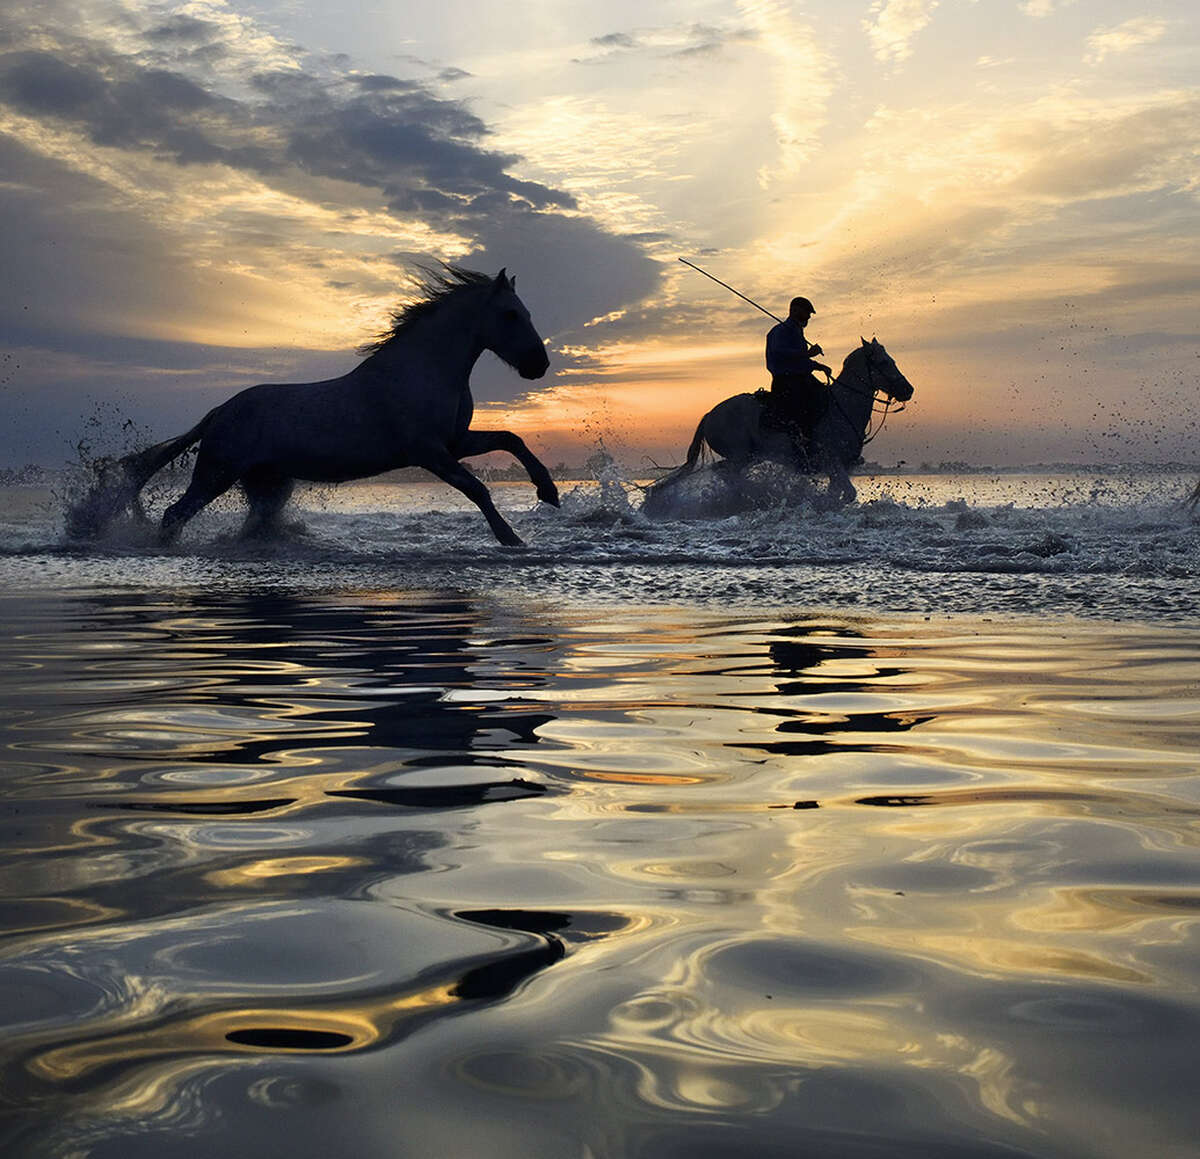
(431, 286)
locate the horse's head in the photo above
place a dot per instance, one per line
(882, 372)
(508, 331)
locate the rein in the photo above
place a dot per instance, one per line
(887, 410)
(874, 392)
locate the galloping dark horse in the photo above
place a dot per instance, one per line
(407, 404)
(735, 429)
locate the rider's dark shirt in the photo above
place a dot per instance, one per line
(787, 350)
(797, 398)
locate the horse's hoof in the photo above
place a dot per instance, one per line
(548, 494)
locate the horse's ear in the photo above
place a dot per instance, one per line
(502, 282)
(864, 341)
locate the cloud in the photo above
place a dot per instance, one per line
(186, 179)
(615, 40)
(801, 77)
(893, 24)
(1134, 33)
(971, 221)
(425, 154)
(679, 41)
(121, 104)
(381, 132)
(1113, 152)
(1040, 9)
(240, 155)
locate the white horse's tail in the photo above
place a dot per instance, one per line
(689, 464)
(697, 445)
(118, 485)
(658, 495)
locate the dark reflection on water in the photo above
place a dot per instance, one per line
(380, 874)
(276, 1039)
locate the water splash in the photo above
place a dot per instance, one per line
(722, 490)
(95, 489)
(608, 500)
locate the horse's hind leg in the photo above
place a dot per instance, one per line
(267, 494)
(208, 482)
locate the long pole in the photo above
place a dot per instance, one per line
(730, 289)
(753, 303)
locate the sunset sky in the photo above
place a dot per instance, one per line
(196, 197)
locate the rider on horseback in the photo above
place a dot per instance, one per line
(797, 399)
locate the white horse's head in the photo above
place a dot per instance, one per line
(881, 370)
(508, 331)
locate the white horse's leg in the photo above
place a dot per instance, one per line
(451, 471)
(481, 442)
(841, 489)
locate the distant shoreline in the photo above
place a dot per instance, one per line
(32, 475)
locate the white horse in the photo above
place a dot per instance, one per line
(737, 429)
(407, 404)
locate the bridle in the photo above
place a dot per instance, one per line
(874, 392)
(889, 400)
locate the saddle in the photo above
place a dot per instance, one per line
(776, 417)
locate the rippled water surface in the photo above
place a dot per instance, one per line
(312, 858)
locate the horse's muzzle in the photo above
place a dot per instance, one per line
(534, 364)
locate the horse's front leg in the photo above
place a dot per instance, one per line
(840, 487)
(481, 442)
(450, 470)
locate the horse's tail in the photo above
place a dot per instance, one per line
(697, 445)
(689, 464)
(118, 485)
(140, 467)
(657, 501)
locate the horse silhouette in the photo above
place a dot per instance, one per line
(737, 429)
(407, 404)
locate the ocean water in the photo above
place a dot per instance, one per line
(848, 834)
(1110, 544)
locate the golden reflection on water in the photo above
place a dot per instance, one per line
(251, 874)
(360, 1023)
(645, 866)
(1151, 915)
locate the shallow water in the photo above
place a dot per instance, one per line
(340, 846)
(1111, 544)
